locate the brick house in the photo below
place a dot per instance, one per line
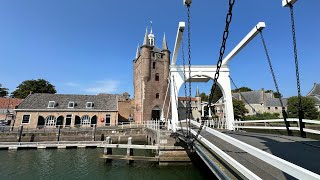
(7, 105)
(51, 110)
(261, 101)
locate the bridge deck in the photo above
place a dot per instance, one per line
(303, 152)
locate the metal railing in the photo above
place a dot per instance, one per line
(312, 126)
(281, 164)
(153, 124)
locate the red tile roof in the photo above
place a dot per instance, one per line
(10, 103)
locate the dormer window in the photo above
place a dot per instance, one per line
(71, 105)
(51, 104)
(89, 105)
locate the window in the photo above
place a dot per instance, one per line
(157, 77)
(71, 105)
(51, 104)
(85, 120)
(68, 119)
(276, 107)
(108, 120)
(25, 119)
(157, 96)
(154, 65)
(89, 105)
(51, 121)
(268, 108)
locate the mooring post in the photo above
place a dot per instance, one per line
(59, 130)
(94, 132)
(20, 133)
(108, 151)
(129, 150)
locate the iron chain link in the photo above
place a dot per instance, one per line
(219, 63)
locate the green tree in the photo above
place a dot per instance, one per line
(33, 86)
(3, 91)
(308, 107)
(204, 97)
(239, 109)
(217, 94)
(241, 89)
(275, 94)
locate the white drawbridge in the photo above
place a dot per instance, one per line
(203, 73)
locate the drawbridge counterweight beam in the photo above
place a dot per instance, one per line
(253, 33)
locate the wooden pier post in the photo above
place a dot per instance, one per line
(94, 132)
(59, 131)
(129, 150)
(108, 151)
(20, 133)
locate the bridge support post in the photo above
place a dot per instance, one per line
(20, 133)
(108, 151)
(129, 150)
(94, 132)
(58, 134)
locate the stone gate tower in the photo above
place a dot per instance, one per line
(151, 73)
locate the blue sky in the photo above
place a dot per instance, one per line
(87, 47)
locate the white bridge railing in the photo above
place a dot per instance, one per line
(278, 124)
(281, 164)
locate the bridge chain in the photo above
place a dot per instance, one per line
(284, 113)
(184, 76)
(189, 66)
(219, 63)
(301, 113)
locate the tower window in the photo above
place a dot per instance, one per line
(154, 65)
(157, 77)
(157, 96)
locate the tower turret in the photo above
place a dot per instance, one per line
(146, 56)
(166, 57)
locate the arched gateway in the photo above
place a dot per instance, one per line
(203, 73)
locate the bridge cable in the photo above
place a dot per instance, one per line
(284, 113)
(234, 84)
(300, 111)
(219, 63)
(253, 109)
(184, 78)
(189, 65)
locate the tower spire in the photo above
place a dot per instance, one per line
(146, 40)
(164, 43)
(138, 52)
(197, 92)
(151, 27)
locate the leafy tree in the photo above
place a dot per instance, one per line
(308, 107)
(275, 94)
(217, 94)
(204, 97)
(241, 89)
(239, 109)
(3, 91)
(33, 86)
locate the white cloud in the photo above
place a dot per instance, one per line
(72, 84)
(106, 86)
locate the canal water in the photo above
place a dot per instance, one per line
(87, 164)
